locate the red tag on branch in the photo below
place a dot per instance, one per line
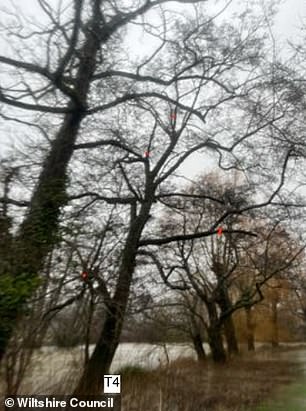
(219, 231)
(146, 154)
(84, 275)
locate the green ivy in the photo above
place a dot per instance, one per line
(14, 291)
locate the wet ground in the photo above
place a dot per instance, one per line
(293, 396)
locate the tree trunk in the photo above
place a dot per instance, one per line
(216, 344)
(38, 232)
(275, 336)
(229, 326)
(250, 326)
(198, 346)
(91, 382)
(6, 256)
(214, 334)
(230, 336)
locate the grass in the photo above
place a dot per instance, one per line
(292, 398)
(247, 383)
(186, 385)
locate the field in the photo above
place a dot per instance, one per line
(168, 378)
(240, 385)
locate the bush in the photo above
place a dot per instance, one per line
(67, 331)
(132, 371)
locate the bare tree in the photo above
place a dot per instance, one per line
(69, 65)
(226, 272)
(178, 100)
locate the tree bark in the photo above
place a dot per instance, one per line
(214, 334)
(229, 326)
(5, 267)
(198, 346)
(250, 326)
(91, 382)
(38, 232)
(216, 344)
(275, 336)
(230, 336)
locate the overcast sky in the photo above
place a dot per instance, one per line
(288, 22)
(290, 18)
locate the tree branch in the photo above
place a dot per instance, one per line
(185, 237)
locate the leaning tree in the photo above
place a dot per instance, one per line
(121, 126)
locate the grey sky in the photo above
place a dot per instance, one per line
(290, 18)
(287, 27)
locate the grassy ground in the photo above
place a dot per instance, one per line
(266, 381)
(289, 398)
(187, 386)
(292, 398)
